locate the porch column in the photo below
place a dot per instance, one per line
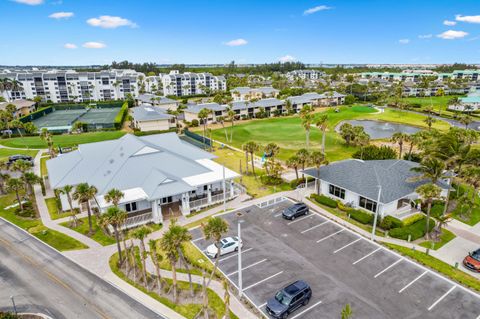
(209, 193)
(157, 212)
(232, 190)
(185, 204)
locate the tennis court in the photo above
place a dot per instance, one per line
(102, 117)
(59, 118)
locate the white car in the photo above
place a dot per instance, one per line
(227, 245)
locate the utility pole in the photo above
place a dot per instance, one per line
(376, 213)
(14, 306)
(240, 284)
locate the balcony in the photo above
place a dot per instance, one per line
(202, 202)
(138, 218)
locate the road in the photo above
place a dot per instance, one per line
(43, 280)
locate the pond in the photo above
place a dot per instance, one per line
(378, 129)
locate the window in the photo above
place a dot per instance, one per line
(130, 207)
(336, 191)
(368, 204)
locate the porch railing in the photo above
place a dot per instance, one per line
(203, 202)
(137, 220)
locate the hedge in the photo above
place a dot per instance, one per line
(413, 219)
(296, 182)
(361, 216)
(118, 121)
(390, 222)
(324, 200)
(36, 114)
(144, 133)
(415, 230)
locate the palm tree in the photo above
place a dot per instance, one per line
(203, 116)
(430, 168)
(271, 150)
(428, 192)
(16, 185)
(306, 114)
(443, 221)
(252, 147)
(471, 174)
(168, 245)
(317, 159)
(231, 116)
(140, 234)
(294, 162)
(303, 156)
(221, 119)
(157, 258)
(114, 196)
(30, 179)
(465, 120)
(429, 120)
(346, 312)
(400, 138)
(245, 149)
(116, 218)
(414, 139)
(322, 124)
(67, 190)
(83, 194)
(181, 235)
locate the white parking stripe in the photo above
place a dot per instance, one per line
(327, 237)
(366, 256)
(263, 280)
(262, 305)
(235, 254)
(195, 240)
(309, 229)
(301, 313)
(277, 215)
(411, 282)
(441, 298)
(249, 266)
(349, 244)
(297, 220)
(388, 267)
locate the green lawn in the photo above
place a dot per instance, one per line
(474, 216)
(64, 140)
(445, 237)
(35, 227)
(53, 209)
(43, 166)
(288, 133)
(98, 234)
(439, 103)
(5, 153)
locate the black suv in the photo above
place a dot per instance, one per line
(12, 159)
(289, 299)
(295, 211)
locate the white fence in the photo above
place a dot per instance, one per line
(271, 202)
(138, 220)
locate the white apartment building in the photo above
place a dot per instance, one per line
(305, 75)
(189, 83)
(71, 86)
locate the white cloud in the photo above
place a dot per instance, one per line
(236, 42)
(425, 36)
(452, 34)
(70, 46)
(94, 45)
(468, 19)
(61, 15)
(404, 41)
(287, 58)
(449, 22)
(110, 22)
(30, 2)
(316, 9)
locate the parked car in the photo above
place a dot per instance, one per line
(472, 261)
(12, 159)
(227, 245)
(294, 211)
(289, 299)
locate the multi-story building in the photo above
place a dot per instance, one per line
(305, 75)
(189, 83)
(71, 86)
(248, 94)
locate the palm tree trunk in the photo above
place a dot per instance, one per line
(323, 142)
(427, 225)
(225, 130)
(410, 151)
(117, 239)
(157, 271)
(253, 165)
(400, 150)
(318, 181)
(174, 281)
(187, 268)
(19, 200)
(307, 135)
(231, 131)
(89, 212)
(144, 266)
(296, 172)
(246, 162)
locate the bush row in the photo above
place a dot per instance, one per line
(361, 216)
(118, 121)
(324, 200)
(415, 230)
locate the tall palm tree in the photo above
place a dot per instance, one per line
(116, 217)
(429, 120)
(221, 120)
(293, 162)
(168, 244)
(399, 138)
(413, 139)
(83, 194)
(430, 168)
(317, 159)
(322, 124)
(245, 149)
(252, 147)
(181, 235)
(157, 258)
(428, 192)
(271, 150)
(114, 196)
(67, 190)
(140, 234)
(16, 185)
(30, 179)
(231, 116)
(303, 155)
(465, 120)
(471, 174)
(203, 116)
(306, 114)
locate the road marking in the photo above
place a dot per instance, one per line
(195, 240)
(301, 313)
(366, 256)
(411, 282)
(331, 235)
(309, 229)
(263, 280)
(441, 298)
(246, 267)
(277, 215)
(297, 220)
(388, 268)
(235, 254)
(262, 305)
(342, 248)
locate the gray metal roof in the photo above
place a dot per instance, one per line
(149, 113)
(155, 163)
(268, 102)
(363, 177)
(155, 99)
(209, 106)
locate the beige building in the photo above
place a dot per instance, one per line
(152, 118)
(23, 107)
(248, 94)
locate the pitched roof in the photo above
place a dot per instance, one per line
(18, 104)
(149, 113)
(155, 99)
(209, 106)
(363, 177)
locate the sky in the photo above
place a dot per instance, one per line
(84, 32)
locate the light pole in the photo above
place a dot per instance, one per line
(224, 190)
(240, 283)
(14, 306)
(376, 213)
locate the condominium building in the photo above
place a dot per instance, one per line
(189, 83)
(305, 75)
(71, 86)
(248, 94)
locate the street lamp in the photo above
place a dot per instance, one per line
(240, 280)
(14, 306)
(376, 212)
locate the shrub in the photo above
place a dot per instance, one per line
(414, 157)
(296, 182)
(415, 230)
(342, 206)
(390, 222)
(414, 105)
(324, 200)
(373, 152)
(437, 210)
(120, 118)
(412, 219)
(361, 216)
(270, 180)
(194, 123)
(140, 133)
(350, 99)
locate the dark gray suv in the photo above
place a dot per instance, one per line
(294, 211)
(289, 299)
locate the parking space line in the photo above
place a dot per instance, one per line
(197, 239)
(262, 305)
(235, 254)
(366, 256)
(309, 229)
(249, 266)
(412, 282)
(331, 235)
(442, 297)
(301, 313)
(388, 267)
(263, 280)
(349, 244)
(277, 215)
(301, 218)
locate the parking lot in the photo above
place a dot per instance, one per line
(340, 266)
